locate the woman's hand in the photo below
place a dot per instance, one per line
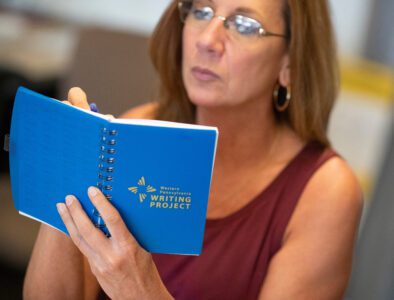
(123, 269)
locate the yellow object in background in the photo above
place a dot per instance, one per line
(361, 119)
(368, 78)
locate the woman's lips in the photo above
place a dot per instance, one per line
(202, 74)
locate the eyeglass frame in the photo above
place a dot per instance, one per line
(261, 33)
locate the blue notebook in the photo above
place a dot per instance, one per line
(157, 174)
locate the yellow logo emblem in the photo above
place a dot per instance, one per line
(142, 189)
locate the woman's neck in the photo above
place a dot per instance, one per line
(252, 149)
(246, 134)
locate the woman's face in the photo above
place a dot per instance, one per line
(221, 67)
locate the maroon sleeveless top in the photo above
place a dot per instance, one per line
(237, 249)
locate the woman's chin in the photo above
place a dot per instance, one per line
(207, 103)
(206, 99)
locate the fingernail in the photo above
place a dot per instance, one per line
(60, 207)
(69, 200)
(92, 191)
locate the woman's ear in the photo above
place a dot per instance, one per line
(284, 73)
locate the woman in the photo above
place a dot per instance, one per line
(284, 208)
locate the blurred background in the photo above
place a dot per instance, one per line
(101, 46)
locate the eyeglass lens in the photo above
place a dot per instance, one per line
(199, 13)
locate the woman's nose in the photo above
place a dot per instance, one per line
(212, 37)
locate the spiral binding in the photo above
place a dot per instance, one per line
(105, 174)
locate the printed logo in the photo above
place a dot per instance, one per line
(164, 197)
(142, 189)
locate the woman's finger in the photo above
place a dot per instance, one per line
(92, 235)
(73, 230)
(77, 97)
(111, 217)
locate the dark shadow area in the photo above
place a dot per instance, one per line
(11, 282)
(9, 83)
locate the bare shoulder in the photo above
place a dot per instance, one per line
(333, 192)
(143, 111)
(337, 180)
(336, 176)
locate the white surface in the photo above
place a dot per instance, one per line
(139, 16)
(351, 20)
(359, 130)
(351, 17)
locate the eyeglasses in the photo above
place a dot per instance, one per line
(198, 13)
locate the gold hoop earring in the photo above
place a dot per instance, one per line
(282, 97)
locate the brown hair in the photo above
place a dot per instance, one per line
(314, 69)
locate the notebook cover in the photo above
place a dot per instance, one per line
(161, 183)
(161, 178)
(54, 150)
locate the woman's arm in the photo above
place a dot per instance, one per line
(315, 259)
(57, 269)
